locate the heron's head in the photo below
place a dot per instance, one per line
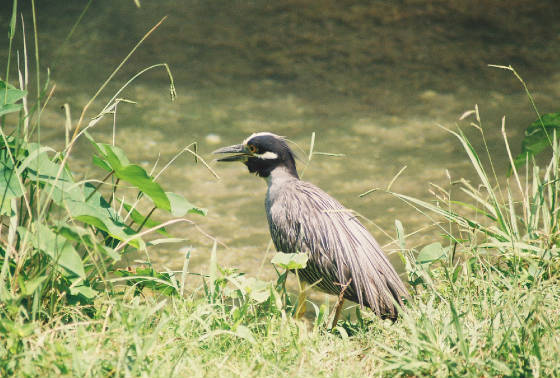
(261, 153)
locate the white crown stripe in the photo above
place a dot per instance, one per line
(258, 134)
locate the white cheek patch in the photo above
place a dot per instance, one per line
(268, 155)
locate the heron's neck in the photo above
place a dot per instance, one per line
(280, 175)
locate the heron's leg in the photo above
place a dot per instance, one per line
(300, 309)
(337, 311)
(339, 303)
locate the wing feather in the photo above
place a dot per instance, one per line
(304, 218)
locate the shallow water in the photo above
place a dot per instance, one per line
(371, 79)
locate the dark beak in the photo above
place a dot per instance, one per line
(241, 153)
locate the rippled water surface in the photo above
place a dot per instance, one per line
(371, 79)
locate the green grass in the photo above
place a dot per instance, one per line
(484, 302)
(477, 322)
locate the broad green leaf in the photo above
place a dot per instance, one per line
(245, 333)
(28, 286)
(11, 143)
(43, 168)
(33, 151)
(139, 219)
(17, 329)
(10, 108)
(9, 188)
(430, 253)
(98, 213)
(55, 246)
(103, 218)
(84, 290)
(538, 137)
(149, 278)
(60, 191)
(113, 158)
(137, 176)
(101, 163)
(258, 290)
(63, 190)
(180, 206)
(114, 155)
(93, 143)
(342, 332)
(78, 234)
(10, 94)
(116, 256)
(290, 260)
(6, 208)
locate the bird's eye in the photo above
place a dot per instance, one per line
(252, 148)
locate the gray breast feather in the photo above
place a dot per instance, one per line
(304, 218)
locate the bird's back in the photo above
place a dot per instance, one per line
(303, 218)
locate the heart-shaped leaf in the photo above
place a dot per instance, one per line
(538, 137)
(430, 253)
(290, 260)
(55, 246)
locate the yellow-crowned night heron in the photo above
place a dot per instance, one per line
(342, 254)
